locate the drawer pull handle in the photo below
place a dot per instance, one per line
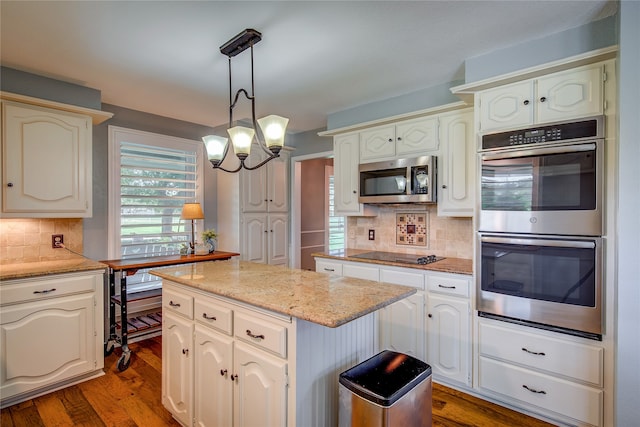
(533, 390)
(329, 269)
(258, 337)
(446, 287)
(204, 315)
(223, 372)
(174, 304)
(46, 291)
(533, 352)
(185, 351)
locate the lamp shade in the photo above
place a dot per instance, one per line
(192, 211)
(215, 146)
(273, 128)
(241, 138)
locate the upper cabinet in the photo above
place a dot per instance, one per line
(406, 138)
(266, 188)
(46, 162)
(346, 150)
(457, 166)
(557, 96)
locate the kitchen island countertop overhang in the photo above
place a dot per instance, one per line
(315, 297)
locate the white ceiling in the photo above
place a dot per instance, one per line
(315, 58)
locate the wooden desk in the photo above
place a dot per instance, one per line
(128, 267)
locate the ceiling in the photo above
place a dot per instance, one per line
(315, 57)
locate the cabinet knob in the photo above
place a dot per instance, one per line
(223, 372)
(526, 102)
(233, 377)
(10, 184)
(444, 186)
(399, 138)
(355, 192)
(390, 140)
(544, 98)
(185, 351)
(429, 315)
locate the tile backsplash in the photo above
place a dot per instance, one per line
(446, 236)
(29, 240)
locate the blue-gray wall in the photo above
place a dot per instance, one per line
(627, 363)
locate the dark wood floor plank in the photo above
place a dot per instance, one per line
(105, 394)
(25, 414)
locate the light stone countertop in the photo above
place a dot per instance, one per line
(316, 297)
(446, 265)
(44, 268)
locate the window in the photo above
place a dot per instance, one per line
(151, 177)
(336, 223)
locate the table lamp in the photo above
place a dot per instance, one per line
(192, 211)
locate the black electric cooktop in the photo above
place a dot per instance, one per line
(401, 258)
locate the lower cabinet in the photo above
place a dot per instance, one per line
(51, 331)
(228, 364)
(265, 238)
(555, 375)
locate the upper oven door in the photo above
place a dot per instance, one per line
(553, 189)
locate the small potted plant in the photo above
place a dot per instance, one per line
(209, 237)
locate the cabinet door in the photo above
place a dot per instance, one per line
(378, 144)
(213, 405)
(449, 345)
(46, 162)
(254, 184)
(457, 168)
(346, 149)
(177, 366)
(277, 188)
(402, 326)
(260, 396)
(416, 137)
(45, 342)
(278, 239)
(506, 106)
(570, 94)
(255, 238)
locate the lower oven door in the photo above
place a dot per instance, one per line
(549, 281)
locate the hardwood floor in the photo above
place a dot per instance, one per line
(132, 398)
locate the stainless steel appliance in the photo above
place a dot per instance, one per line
(547, 179)
(552, 282)
(399, 181)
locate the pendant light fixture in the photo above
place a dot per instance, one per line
(272, 127)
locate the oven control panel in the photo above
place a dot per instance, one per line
(588, 128)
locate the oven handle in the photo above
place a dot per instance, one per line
(570, 148)
(540, 242)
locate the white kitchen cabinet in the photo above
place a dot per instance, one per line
(265, 238)
(408, 138)
(46, 161)
(211, 379)
(402, 326)
(558, 96)
(266, 188)
(346, 157)
(457, 165)
(449, 327)
(51, 333)
(555, 375)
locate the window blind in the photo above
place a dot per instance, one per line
(336, 223)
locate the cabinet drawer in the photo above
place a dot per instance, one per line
(324, 266)
(553, 355)
(177, 302)
(261, 333)
(214, 315)
(446, 284)
(576, 401)
(17, 291)
(361, 272)
(402, 277)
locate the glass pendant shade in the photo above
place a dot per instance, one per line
(273, 128)
(241, 138)
(215, 146)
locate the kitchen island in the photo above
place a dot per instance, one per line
(254, 344)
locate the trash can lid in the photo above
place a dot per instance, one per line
(385, 377)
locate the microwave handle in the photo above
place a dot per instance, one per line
(539, 242)
(540, 151)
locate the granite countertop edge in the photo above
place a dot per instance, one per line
(44, 268)
(446, 265)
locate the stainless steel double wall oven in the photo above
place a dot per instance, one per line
(540, 226)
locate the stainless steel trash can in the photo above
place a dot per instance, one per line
(388, 390)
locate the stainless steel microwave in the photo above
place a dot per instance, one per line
(399, 181)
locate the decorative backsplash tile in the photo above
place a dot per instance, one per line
(411, 228)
